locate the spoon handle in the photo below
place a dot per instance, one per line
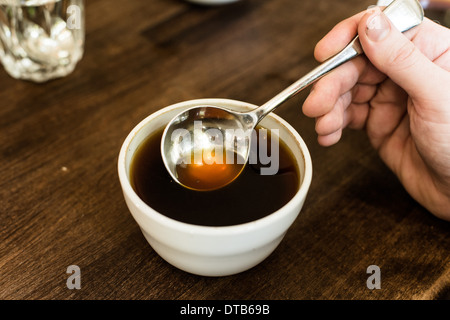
(404, 15)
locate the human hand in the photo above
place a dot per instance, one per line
(399, 92)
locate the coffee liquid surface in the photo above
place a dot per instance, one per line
(249, 197)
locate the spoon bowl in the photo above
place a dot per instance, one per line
(206, 147)
(207, 132)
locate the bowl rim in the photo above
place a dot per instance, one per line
(263, 222)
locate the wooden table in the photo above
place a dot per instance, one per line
(60, 199)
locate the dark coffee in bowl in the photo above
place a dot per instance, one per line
(250, 197)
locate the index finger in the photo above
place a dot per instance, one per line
(338, 37)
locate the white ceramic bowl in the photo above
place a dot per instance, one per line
(204, 250)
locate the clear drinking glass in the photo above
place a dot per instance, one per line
(41, 39)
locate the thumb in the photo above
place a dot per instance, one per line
(395, 55)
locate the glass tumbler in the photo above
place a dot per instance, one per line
(41, 39)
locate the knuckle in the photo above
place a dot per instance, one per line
(405, 57)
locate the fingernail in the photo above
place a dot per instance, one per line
(377, 27)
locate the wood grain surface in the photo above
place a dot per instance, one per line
(60, 199)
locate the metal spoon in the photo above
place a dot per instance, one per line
(201, 129)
